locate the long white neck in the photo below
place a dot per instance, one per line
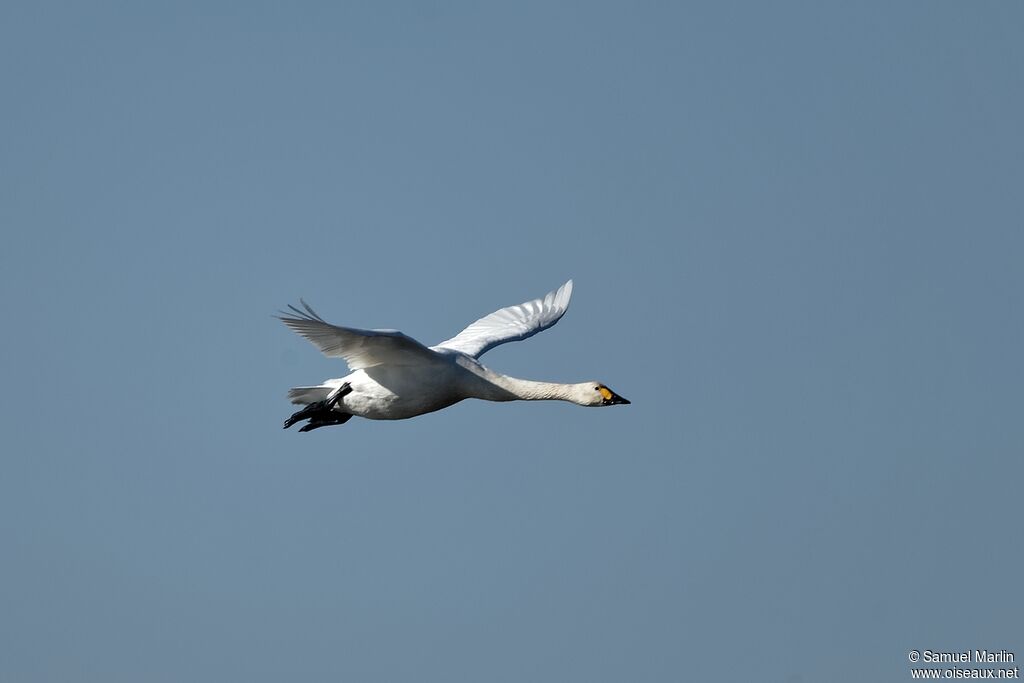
(497, 387)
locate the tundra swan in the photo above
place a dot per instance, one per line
(394, 377)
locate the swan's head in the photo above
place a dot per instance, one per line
(597, 394)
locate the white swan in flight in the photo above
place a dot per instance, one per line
(394, 377)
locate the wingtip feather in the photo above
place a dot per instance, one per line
(565, 293)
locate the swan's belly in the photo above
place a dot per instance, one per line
(398, 393)
(392, 407)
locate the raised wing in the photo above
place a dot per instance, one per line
(513, 323)
(360, 348)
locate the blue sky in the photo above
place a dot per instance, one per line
(795, 233)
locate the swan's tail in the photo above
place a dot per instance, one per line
(307, 395)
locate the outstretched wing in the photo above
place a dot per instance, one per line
(360, 348)
(513, 323)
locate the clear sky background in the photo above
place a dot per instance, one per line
(796, 235)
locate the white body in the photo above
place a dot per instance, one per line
(398, 392)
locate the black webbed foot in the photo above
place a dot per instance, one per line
(310, 411)
(326, 421)
(322, 413)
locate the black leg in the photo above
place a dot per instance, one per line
(339, 393)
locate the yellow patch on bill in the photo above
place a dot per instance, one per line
(604, 392)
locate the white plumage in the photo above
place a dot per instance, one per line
(395, 377)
